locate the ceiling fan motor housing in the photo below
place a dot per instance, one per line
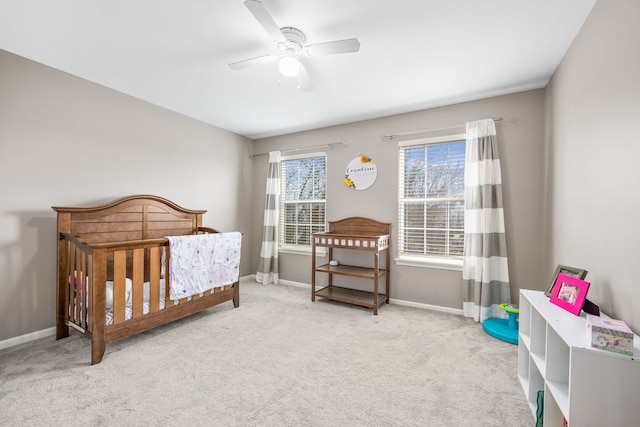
(295, 43)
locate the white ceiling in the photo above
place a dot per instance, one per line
(414, 54)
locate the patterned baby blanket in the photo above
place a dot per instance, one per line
(201, 262)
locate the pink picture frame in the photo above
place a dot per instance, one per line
(569, 293)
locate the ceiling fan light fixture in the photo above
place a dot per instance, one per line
(289, 66)
(291, 46)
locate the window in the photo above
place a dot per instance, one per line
(303, 198)
(431, 198)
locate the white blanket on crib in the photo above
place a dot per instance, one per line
(201, 262)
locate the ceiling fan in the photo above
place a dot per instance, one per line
(291, 45)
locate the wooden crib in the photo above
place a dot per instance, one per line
(122, 244)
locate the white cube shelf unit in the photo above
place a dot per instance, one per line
(586, 386)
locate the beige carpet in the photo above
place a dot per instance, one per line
(277, 360)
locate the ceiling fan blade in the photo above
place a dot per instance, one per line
(304, 81)
(264, 18)
(331, 48)
(252, 62)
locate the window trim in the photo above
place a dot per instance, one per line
(301, 250)
(430, 261)
(445, 262)
(291, 248)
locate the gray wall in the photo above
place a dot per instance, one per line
(521, 145)
(68, 142)
(593, 107)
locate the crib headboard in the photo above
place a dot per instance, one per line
(133, 218)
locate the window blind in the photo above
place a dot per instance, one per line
(431, 199)
(303, 199)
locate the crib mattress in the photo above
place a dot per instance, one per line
(128, 308)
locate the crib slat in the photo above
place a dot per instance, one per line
(119, 285)
(72, 291)
(69, 288)
(167, 279)
(98, 304)
(155, 253)
(81, 282)
(77, 284)
(138, 278)
(90, 290)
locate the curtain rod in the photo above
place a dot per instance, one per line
(390, 136)
(315, 147)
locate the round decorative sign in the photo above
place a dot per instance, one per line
(361, 173)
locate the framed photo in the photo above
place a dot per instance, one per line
(567, 271)
(569, 293)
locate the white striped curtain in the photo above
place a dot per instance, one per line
(268, 263)
(485, 269)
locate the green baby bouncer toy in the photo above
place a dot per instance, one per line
(504, 329)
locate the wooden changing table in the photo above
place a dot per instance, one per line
(355, 233)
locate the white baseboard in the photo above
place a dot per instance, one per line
(457, 311)
(27, 337)
(280, 282)
(295, 284)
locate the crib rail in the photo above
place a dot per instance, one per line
(138, 276)
(140, 262)
(88, 267)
